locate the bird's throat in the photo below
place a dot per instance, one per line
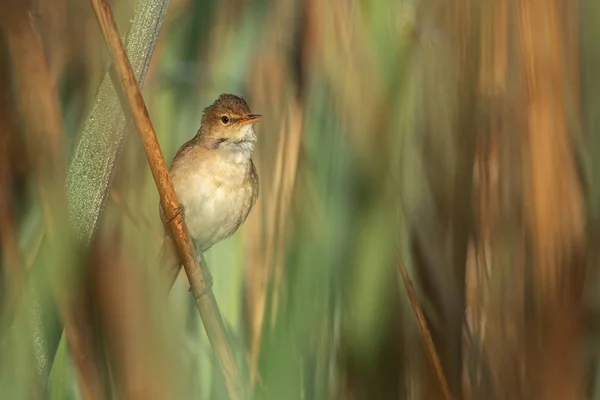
(236, 153)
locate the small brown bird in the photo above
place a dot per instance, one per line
(213, 173)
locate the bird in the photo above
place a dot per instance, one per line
(214, 177)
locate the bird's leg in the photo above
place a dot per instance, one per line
(179, 212)
(208, 280)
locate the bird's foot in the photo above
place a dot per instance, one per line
(207, 277)
(179, 213)
(208, 282)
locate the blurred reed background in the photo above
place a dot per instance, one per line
(458, 138)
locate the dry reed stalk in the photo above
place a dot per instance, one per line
(279, 201)
(266, 232)
(201, 289)
(424, 330)
(80, 340)
(8, 240)
(14, 271)
(52, 23)
(35, 250)
(11, 257)
(348, 56)
(141, 222)
(491, 91)
(530, 203)
(553, 201)
(136, 357)
(39, 109)
(441, 229)
(554, 205)
(291, 138)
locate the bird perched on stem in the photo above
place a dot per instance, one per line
(214, 176)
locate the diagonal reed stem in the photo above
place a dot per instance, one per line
(423, 328)
(199, 283)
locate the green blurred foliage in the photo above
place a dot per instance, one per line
(367, 89)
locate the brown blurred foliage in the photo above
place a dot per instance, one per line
(500, 242)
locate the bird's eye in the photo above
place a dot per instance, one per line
(225, 119)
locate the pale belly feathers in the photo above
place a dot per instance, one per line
(213, 209)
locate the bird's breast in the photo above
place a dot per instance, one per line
(214, 206)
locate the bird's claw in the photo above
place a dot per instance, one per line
(178, 214)
(208, 282)
(207, 278)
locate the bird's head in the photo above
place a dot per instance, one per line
(228, 124)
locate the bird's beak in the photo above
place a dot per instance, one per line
(249, 118)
